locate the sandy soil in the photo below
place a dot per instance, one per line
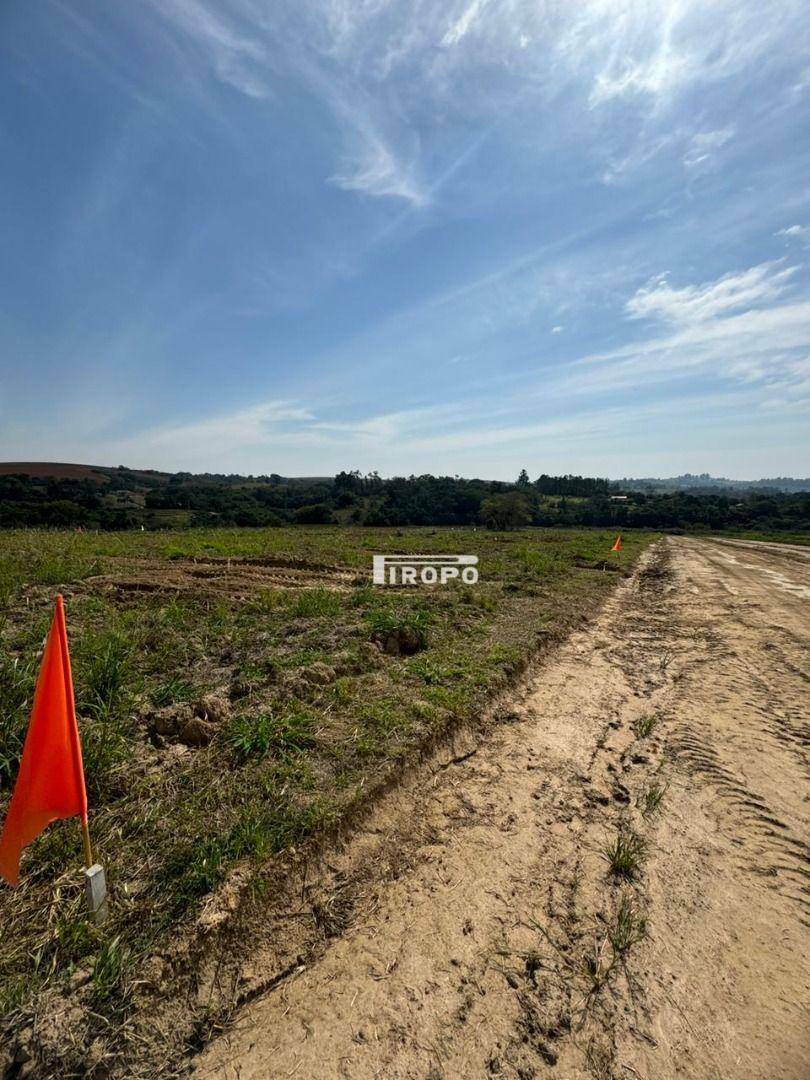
(489, 937)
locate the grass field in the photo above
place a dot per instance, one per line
(239, 691)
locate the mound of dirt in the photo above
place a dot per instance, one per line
(191, 724)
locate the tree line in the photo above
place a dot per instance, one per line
(126, 499)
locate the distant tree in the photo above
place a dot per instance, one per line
(348, 481)
(523, 480)
(508, 511)
(318, 514)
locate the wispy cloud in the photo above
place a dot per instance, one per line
(370, 163)
(767, 343)
(697, 303)
(795, 232)
(704, 144)
(656, 51)
(394, 73)
(237, 58)
(462, 25)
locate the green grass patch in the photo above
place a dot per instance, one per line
(255, 736)
(624, 855)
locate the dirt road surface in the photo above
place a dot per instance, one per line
(492, 937)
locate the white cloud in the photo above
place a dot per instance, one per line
(374, 169)
(763, 347)
(795, 232)
(703, 144)
(695, 303)
(462, 25)
(657, 50)
(641, 152)
(698, 150)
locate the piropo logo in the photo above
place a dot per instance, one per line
(424, 569)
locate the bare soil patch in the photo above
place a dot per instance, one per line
(234, 578)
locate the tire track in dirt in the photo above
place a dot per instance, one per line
(234, 577)
(488, 937)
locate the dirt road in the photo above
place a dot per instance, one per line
(491, 938)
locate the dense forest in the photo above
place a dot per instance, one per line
(122, 498)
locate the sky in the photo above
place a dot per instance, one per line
(467, 237)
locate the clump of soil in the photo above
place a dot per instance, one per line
(191, 724)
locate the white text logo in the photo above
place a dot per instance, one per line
(424, 569)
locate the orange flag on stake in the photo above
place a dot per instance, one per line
(50, 783)
(618, 545)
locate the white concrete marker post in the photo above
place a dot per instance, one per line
(95, 890)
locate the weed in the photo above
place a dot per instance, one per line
(14, 993)
(650, 800)
(431, 671)
(268, 826)
(624, 855)
(628, 927)
(102, 678)
(255, 736)
(109, 969)
(192, 868)
(644, 726)
(595, 965)
(362, 596)
(175, 689)
(385, 621)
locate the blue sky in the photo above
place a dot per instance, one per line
(464, 237)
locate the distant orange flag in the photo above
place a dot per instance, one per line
(618, 545)
(50, 783)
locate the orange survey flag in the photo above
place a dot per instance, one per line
(618, 545)
(50, 783)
